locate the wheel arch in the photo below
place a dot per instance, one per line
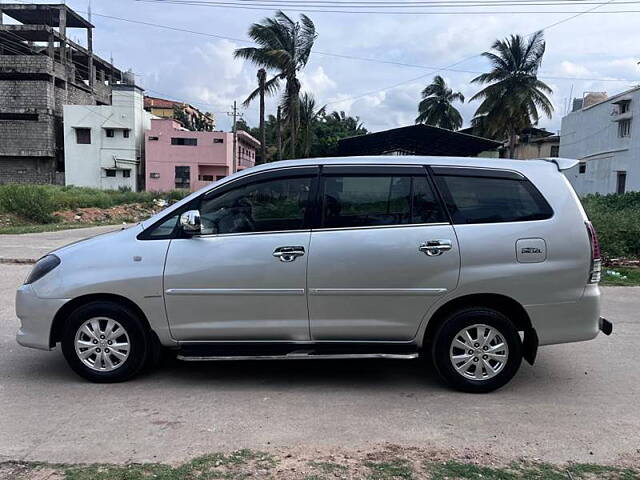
(502, 303)
(57, 327)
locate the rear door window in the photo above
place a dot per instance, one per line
(486, 199)
(376, 200)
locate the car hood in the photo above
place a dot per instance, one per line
(96, 240)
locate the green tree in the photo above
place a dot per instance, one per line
(332, 127)
(436, 107)
(309, 115)
(513, 95)
(283, 46)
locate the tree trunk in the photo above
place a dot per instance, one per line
(263, 136)
(512, 143)
(279, 134)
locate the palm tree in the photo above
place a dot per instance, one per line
(436, 106)
(264, 88)
(514, 94)
(308, 117)
(283, 46)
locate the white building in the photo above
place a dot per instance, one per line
(601, 133)
(104, 144)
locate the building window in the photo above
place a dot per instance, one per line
(33, 117)
(621, 184)
(125, 133)
(183, 175)
(624, 128)
(126, 173)
(218, 140)
(110, 133)
(83, 136)
(153, 139)
(184, 141)
(555, 150)
(110, 173)
(219, 177)
(582, 167)
(205, 178)
(154, 175)
(624, 106)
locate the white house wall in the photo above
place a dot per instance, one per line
(591, 136)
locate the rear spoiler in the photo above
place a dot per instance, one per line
(561, 163)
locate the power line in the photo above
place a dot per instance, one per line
(304, 8)
(330, 54)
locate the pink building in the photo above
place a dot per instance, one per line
(178, 158)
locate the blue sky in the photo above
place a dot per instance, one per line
(201, 70)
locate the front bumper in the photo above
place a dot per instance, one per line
(36, 317)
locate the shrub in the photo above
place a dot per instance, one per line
(617, 221)
(37, 202)
(31, 202)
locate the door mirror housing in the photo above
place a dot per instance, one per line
(190, 222)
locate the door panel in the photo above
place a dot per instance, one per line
(232, 287)
(376, 284)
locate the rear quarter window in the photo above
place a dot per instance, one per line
(486, 199)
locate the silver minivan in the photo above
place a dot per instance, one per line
(471, 263)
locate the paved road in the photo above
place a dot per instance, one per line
(580, 402)
(31, 246)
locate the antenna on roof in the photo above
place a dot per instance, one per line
(89, 11)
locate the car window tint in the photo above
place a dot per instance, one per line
(258, 207)
(362, 201)
(491, 200)
(164, 229)
(426, 207)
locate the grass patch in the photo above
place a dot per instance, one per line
(620, 277)
(529, 471)
(36, 203)
(390, 470)
(251, 464)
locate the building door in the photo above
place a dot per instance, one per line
(621, 184)
(183, 177)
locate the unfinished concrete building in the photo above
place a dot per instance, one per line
(42, 69)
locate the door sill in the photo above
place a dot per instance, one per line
(292, 351)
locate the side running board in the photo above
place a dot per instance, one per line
(297, 355)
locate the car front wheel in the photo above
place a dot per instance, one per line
(477, 350)
(105, 342)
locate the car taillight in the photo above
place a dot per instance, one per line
(596, 261)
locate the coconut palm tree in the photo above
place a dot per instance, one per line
(264, 88)
(513, 95)
(436, 106)
(309, 115)
(283, 46)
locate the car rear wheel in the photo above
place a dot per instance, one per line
(477, 350)
(105, 342)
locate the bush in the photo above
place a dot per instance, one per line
(35, 204)
(617, 221)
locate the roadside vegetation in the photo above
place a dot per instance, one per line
(31, 208)
(392, 464)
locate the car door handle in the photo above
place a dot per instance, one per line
(433, 248)
(288, 254)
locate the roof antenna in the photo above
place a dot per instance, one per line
(89, 11)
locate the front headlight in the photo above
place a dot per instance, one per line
(42, 267)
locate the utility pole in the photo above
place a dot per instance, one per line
(279, 134)
(234, 113)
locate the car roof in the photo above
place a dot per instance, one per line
(500, 163)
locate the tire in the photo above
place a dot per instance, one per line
(480, 367)
(106, 362)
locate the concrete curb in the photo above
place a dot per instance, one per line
(18, 261)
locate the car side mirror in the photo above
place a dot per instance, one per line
(190, 222)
